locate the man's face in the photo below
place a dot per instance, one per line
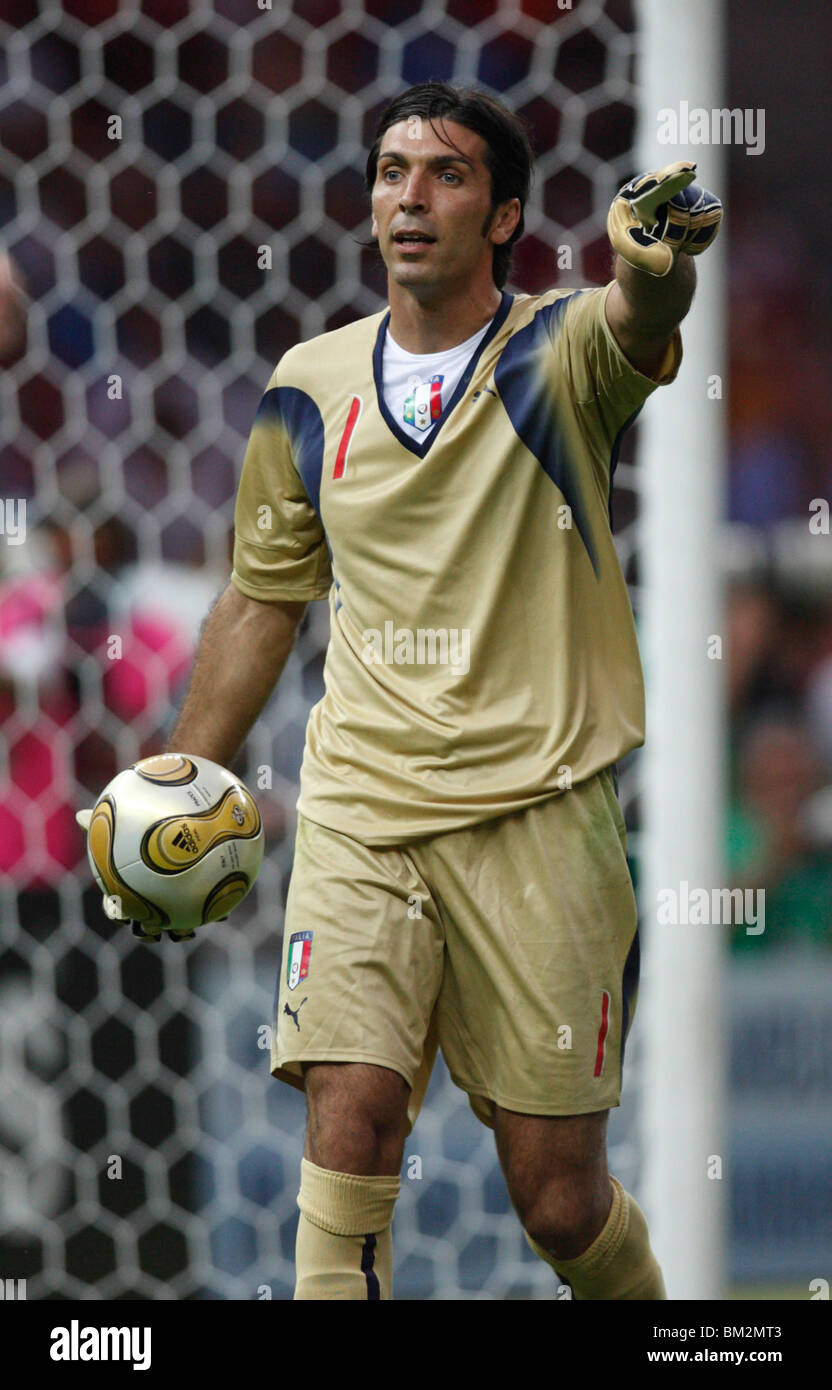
(431, 205)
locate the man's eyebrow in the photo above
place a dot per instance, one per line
(434, 162)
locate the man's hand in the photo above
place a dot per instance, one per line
(142, 934)
(244, 647)
(655, 216)
(111, 906)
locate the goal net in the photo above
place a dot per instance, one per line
(181, 185)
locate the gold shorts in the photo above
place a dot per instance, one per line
(512, 945)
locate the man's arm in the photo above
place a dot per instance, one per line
(242, 651)
(656, 223)
(643, 310)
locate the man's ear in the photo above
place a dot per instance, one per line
(505, 221)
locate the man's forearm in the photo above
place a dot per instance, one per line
(657, 303)
(643, 310)
(242, 651)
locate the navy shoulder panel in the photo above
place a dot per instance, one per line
(524, 379)
(302, 421)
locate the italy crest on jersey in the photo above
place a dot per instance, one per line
(423, 403)
(300, 949)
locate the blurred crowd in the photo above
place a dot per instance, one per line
(779, 824)
(779, 563)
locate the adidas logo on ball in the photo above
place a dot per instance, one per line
(185, 840)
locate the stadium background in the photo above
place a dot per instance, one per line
(152, 328)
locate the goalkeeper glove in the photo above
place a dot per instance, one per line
(655, 216)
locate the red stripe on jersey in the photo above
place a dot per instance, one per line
(602, 1032)
(344, 447)
(435, 400)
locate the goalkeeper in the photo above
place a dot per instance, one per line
(442, 472)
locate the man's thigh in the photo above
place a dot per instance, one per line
(541, 967)
(361, 968)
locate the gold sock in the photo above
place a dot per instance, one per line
(619, 1263)
(344, 1246)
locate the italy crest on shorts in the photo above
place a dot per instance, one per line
(297, 966)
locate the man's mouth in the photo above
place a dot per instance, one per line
(415, 239)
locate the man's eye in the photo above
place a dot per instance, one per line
(388, 172)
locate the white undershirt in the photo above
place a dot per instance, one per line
(409, 394)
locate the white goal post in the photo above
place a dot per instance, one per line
(682, 465)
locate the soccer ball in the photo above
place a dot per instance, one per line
(174, 842)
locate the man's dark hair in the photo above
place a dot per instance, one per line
(509, 155)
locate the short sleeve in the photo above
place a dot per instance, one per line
(280, 549)
(601, 377)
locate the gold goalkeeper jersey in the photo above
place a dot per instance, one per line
(482, 654)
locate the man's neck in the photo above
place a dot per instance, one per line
(423, 327)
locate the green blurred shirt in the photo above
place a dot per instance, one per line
(799, 908)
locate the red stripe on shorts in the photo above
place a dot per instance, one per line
(602, 1032)
(343, 447)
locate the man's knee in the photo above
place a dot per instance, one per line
(357, 1117)
(556, 1173)
(564, 1216)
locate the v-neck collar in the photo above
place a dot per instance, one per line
(416, 447)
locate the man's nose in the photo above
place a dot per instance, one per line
(413, 193)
